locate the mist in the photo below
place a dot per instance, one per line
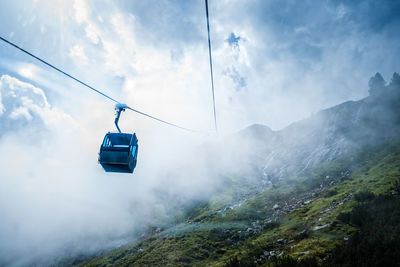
(274, 65)
(57, 202)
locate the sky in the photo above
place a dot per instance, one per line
(275, 62)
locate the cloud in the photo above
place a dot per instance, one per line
(81, 11)
(27, 70)
(239, 81)
(2, 108)
(24, 104)
(120, 50)
(17, 93)
(77, 53)
(92, 33)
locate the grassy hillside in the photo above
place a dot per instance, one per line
(313, 218)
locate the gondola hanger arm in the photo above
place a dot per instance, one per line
(118, 108)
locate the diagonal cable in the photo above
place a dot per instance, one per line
(92, 88)
(57, 69)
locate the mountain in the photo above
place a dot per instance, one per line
(324, 191)
(324, 136)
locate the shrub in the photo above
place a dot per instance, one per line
(330, 193)
(364, 196)
(235, 262)
(396, 186)
(377, 243)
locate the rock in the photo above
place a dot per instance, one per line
(319, 227)
(280, 241)
(303, 234)
(272, 253)
(328, 210)
(276, 207)
(303, 253)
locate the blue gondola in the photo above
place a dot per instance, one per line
(118, 152)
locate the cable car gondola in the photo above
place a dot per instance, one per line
(118, 152)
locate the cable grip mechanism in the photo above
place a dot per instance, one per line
(118, 108)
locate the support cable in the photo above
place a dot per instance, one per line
(97, 91)
(211, 67)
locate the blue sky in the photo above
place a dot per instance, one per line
(275, 62)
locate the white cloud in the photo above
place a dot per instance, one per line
(43, 28)
(120, 47)
(78, 54)
(27, 70)
(25, 102)
(13, 88)
(21, 112)
(2, 108)
(92, 33)
(123, 29)
(81, 11)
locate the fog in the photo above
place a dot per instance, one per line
(273, 66)
(56, 201)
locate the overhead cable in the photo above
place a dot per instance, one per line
(211, 67)
(92, 88)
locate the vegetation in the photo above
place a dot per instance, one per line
(377, 243)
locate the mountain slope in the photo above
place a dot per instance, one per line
(322, 137)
